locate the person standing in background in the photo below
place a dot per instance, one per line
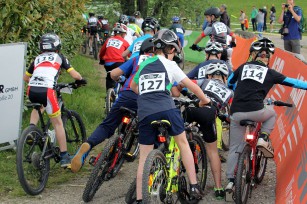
(224, 16)
(272, 17)
(138, 19)
(265, 12)
(241, 19)
(260, 22)
(254, 18)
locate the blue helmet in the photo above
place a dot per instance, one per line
(175, 19)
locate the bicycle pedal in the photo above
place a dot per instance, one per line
(129, 157)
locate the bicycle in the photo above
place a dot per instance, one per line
(168, 152)
(36, 146)
(95, 47)
(120, 147)
(112, 95)
(251, 165)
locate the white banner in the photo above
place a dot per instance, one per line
(12, 67)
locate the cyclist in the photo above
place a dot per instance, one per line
(138, 31)
(213, 85)
(127, 98)
(253, 81)
(42, 76)
(150, 27)
(111, 52)
(217, 31)
(130, 32)
(92, 25)
(105, 27)
(178, 29)
(156, 103)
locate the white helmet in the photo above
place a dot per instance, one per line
(217, 67)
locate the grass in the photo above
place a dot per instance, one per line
(88, 101)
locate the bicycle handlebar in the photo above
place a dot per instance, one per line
(281, 103)
(73, 85)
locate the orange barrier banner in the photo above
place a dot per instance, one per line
(288, 137)
(241, 51)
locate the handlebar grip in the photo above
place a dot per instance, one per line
(280, 103)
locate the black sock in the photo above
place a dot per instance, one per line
(139, 201)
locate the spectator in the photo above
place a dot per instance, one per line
(254, 18)
(265, 16)
(224, 16)
(138, 19)
(241, 19)
(290, 16)
(246, 24)
(272, 20)
(260, 22)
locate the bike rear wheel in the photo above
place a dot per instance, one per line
(155, 177)
(95, 48)
(226, 130)
(84, 46)
(243, 176)
(261, 163)
(110, 99)
(100, 171)
(32, 167)
(74, 130)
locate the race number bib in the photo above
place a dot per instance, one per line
(152, 82)
(220, 28)
(202, 72)
(92, 20)
(114, 43)
(219, 90)
(179, 30)
(254, 72)
(137, 46)
(39, 81)
(142, 58)
(44, 58)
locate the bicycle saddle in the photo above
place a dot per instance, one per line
(247, 122)
(160, 123)
(127, 110)
(34, 105)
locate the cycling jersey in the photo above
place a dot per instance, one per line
(135, 28)
(92, 21)
(155, 78)
(130, 68)
(218, 31)
(112, 49)
(45, 69)
(129, 36)
(134, 48)
(177, 28)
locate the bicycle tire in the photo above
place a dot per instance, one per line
(95, 48)
(84, 47)
(225, 131)
(130, 197)
(100, 170)
(148, 179)
(261, 164)
(130, 141)
(243, 175)
(31, 138)
(74, 130)
(110, 99)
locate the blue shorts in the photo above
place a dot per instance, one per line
(148, 134)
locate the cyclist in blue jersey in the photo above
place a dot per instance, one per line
(127, 98)
(150, 27)
(178, 29)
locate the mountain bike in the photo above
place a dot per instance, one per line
(120, 147)
(171, 173)
(112, 95)
(251, 165)
(95, 47)
(37, 145)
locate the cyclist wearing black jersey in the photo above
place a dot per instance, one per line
(92, 25)
(252, 81)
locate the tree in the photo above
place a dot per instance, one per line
(128, 6)
(142, 6)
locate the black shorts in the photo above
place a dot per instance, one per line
(205, 117)
(93, 30)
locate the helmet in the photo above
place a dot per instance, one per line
(120, 28)
(50, 42)
(131, 19)
(214, 48)
(216, 67)
(213, 11)
(150, 23)
(100, 17)
(91, 14)
(263, 45)
(137, 13)
(175, 19)
(146, 46)
(166, 37)
(123, 19)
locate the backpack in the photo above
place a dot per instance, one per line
(302, 23)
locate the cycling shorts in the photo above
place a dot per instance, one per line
(148, 135)
(46, 97)
(93, 30)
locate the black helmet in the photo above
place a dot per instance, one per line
(213, 11)
(214, 48)
(123, 19)
(166, 37)
(131, 19)
(150, 23)
(91, 14)
(100, 17)
(263, 44)
(146, 46)
(50, 42)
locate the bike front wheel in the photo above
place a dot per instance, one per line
(261, 163)
(243, 176)
(74, 130)
(131, 194)
(95, 48)
(110, 99)
(225, 130)
(100, 172)
(32, 167)
(155, 176)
